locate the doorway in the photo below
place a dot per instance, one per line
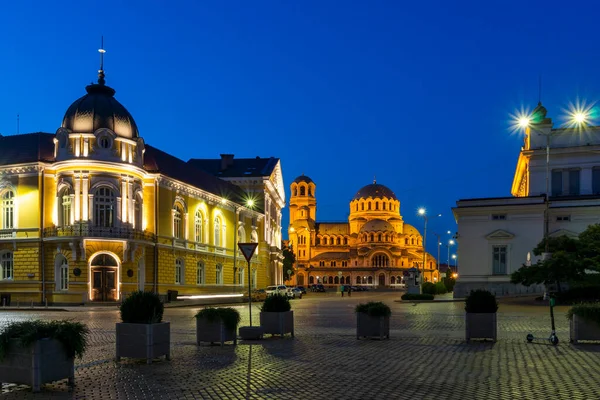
(381, 279)
(104, 284)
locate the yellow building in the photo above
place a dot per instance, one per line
(375, 247)
(92, 213)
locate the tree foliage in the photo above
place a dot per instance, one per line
(289, 259)
(568, 261)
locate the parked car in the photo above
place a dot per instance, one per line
(317, 288)
(296, 293)
(257, 294)
(302, 289)
(281, 289)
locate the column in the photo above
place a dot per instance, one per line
(86, 146)
(91, 208)
(66, 218)
(185, 227)
(123, 151)
(119, 220)
(77, 206)
(72, 216)
(84, 199)
(77, 146)
(130, 213)
(123, 200)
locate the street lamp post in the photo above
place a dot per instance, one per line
(439, 243)
(423, 213)
(450, 243)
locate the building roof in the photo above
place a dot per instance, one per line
(332, 255)
(99, 109)
(303, 178)
(229, 167)
(332, 228)
(26, 148)
(374, 190)
(377, 225)
(156, 160)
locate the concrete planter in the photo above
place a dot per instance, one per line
(368, 326)
(583, 329)
(277, 323)
(480, 326)
(214, 331)
(251, 332)
(147, 341)
(43, 362)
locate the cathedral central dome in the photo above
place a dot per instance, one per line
(99, 109)
(374, 190)
(377, 225)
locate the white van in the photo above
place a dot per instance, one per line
(280, 289)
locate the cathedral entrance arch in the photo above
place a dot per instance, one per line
(381, 279)
(104, 275)
(300, 279)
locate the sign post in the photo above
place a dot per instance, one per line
(248, 250)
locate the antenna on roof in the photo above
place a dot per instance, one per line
(18, 123)
(101, 70)
(374, 179)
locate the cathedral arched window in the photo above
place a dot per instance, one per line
(372, 237)
(302, 191)
(318, 241)
(217, 231)
(377, 205)
(338, 241)
(369, 206)
(178, 221)
(379, 237)
(384, 204)
(104, 207)
(412, 241)
(345, 241)
(362, 206)
(309, 192)
(405, 240)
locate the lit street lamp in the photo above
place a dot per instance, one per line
(423, 213)
(450, 244)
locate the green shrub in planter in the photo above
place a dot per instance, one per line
(142, 308)
(481, 301)
(374, 309)
(72, 335)
(229, 316)
(428, 288)
(414, 296)
(587, 311)
(276, 303)
(440, 288)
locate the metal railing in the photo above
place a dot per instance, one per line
(98, 231)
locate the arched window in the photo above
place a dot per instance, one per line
(405, 240)
(347, 280)
(138, 201)
(302, 191)
(346, 242)
(358, 280)
(377, 205)
(61, 272)
(8, 210)
(295, 191)
(339, 241)
(219, 273)
(200, 273)
(412, 241)
(217, 231)
(369, 206)
(240, 276)
(64, 210)
(179, 272)
(356, 207)
(177, 221)
(309, 192)
(362, 206)
(384, 204)
(380, 260)
(104, 207)
(318, 241)
(379, 237)
(198, 224)
(336, 280)
(6, 265)
(370, 280)
(372, 237)
(241, 237)
(311, 280)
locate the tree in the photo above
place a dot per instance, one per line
(566, 263)
(589, 242)
(289, 259)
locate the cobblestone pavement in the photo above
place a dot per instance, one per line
(425, 358)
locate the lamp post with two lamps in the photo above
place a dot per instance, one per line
(423, 213)
(249, 204)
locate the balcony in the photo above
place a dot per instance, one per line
(98, 231)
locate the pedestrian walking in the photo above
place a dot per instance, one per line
(349, 291)
(342, 290)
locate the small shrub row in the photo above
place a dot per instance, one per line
(229, 316)
(581, 294)
(588, 311)
(434, 288)
(374, 309)
(414, 296)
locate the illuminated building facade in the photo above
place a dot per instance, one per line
(92, 213)
(375, 247)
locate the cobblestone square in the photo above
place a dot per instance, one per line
(425, 358)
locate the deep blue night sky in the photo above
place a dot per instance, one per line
(417, 94)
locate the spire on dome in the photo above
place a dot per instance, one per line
(101, 50)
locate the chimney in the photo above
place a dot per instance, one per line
(226, 161)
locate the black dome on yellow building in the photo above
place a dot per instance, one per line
(374, 190)
(99, 109)
(303, 178)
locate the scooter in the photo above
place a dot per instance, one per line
(553, 338)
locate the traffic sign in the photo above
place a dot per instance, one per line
(247, 249)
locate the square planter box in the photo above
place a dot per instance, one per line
(147, 341)
(582, 329)
(277, 323)
(214, 332)
(367, 326)
(480, 326)
(43, 362)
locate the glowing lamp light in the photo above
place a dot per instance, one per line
(421, 211)
(455, 275)
(524, 122)
(250, 203)
(101, 51)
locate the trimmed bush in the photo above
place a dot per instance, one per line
(276, 303)
(428, 288)
(481, 301)
(440, 288)
(580, 294)
(374, 309)
(142, 308)
(229, 316)
(413, 296)
(587, 311)
(449, 282)
(72, 335)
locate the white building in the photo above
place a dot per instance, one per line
(497, 235)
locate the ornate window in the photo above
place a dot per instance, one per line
(302, 191)
(6, 265)
(177, 223)
(219, 271)
(200, 273)
(62, 272)
(137, 211)
(380, 260)
(8, 210)
(64, 211)
(104, 207)
(198, 225)
(218, 231)
(179, 272)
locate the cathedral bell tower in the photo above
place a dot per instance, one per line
(303, 213)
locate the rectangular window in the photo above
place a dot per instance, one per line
(498, 217)
(64, 277)
(8, 210)
(574, 182)
(178, 271)
(563, 218)
(6, 265)
(200, 274)
(499, 260)
(557, 183)
(596, 180)
(219, 270)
